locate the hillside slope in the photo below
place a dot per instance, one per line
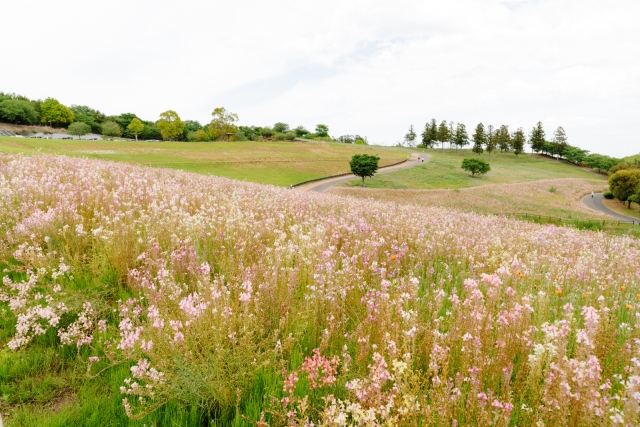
(277, 163)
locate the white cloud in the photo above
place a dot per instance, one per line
(364, 67)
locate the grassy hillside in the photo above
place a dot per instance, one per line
(443, 171)
(277, 163)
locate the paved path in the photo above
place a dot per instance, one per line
(596, 204)
(320, 186)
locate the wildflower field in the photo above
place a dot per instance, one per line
(160, 297)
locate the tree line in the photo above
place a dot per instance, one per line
(80, 120)
(491, 138)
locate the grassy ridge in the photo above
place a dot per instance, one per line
(443, 171)
(277, 163)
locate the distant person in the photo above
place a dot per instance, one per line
(592, 194)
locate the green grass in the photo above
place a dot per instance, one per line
(443, 170)
(268, 162)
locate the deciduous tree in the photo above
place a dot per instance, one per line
(322, 130)
(475, 166)
(364, 165)
(136, 126)
(111, 129)
(222, 124)
(79, 129)
(624, 184)
(54, 113)
(281, 127)
(170, 125)
(18, 111)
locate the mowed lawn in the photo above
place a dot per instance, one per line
(276, 163)
(443, 170)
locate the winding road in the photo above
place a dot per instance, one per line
(596, 204)
(322, 185)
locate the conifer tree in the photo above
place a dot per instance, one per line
(479, 139)
(536, 138)
(517, 141)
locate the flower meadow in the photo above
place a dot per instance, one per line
(268, 306)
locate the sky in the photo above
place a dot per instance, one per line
(371, 68)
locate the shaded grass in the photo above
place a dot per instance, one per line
(621, 207)
(443, 170)
(267, 162)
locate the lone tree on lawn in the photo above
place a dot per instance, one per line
(79, 129)
(136, 126)
(475, 166)
(364, 165)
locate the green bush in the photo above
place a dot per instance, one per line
(475, 166)
(608, 195)
(280, 136)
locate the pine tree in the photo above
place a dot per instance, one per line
(479, 139)
(429, 135)
(452, 135)
(491, 140)
(461, 136)
(560, 139)
(443, 133)
(536, 138)
(517, 141)
(503, 138)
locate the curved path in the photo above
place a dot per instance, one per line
(320, 186)
(596, 204)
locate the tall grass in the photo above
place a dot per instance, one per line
(211, 301)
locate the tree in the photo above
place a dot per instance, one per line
(222, 125)
(18, 111)
(560, 139)
(361, 141)
(54, 113)
(111, 129)
(479, 139)
(536, 138)
(503, 139)
(443, 135)
(624, 184)
(281, 127)
(200, 135)
(461, 137)
(517, 141)
(170, 125)
(78, 128)
(452, 135)
(364, 165)
(136, 126)
(574, 154)
(475, 166)
(430, 134)
(410, 137)
(322, 130)
(300, 131)
(490, 142)
(600, 162)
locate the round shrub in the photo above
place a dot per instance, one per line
(608, 195)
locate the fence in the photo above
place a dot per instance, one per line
(342, 174)
(573, 220)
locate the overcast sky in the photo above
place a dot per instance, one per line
(366, 67)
